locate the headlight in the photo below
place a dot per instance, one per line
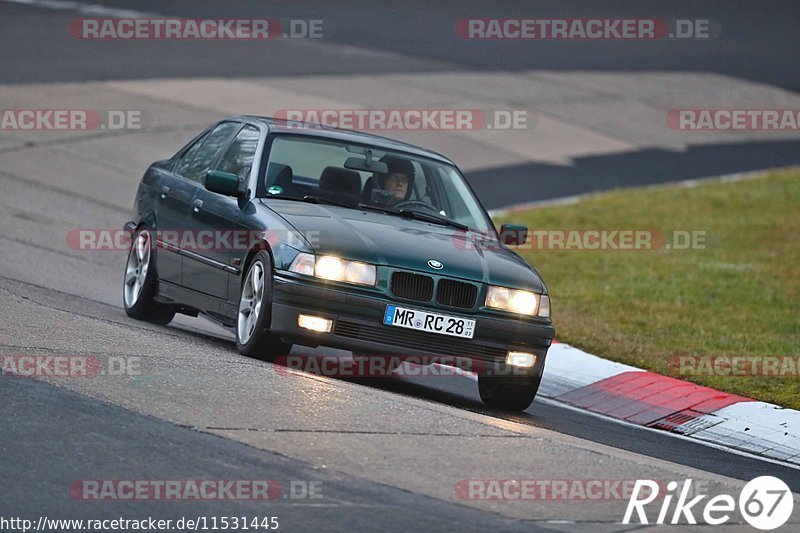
(335, 269)
(518, 301)
(361, 273)
(329, 267)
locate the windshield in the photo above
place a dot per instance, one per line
(356, 176)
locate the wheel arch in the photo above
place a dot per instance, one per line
(148, 220)
(251, 254)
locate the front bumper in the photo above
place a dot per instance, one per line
(358, 327)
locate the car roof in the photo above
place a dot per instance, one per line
(349, 136)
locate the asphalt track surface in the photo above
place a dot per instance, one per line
(757, 42)
(202, 411)
(99, 431)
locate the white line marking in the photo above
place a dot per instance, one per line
(555, 403)
(84, 8)
(550, 401)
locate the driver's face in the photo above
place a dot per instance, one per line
(397, 184)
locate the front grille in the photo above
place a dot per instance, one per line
(412, 286)
(456, 294)
(427, 343)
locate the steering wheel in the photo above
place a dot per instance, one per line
(415, 203)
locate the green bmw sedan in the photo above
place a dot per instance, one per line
(290, 233)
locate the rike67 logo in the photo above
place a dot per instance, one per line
(765, 503)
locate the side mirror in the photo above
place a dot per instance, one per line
(513, 234)
(223, 183)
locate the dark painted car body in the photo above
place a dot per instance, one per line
(210, 281)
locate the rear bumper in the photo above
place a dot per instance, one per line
(358, 327)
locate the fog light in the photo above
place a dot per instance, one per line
(315, 323)
(521, 359)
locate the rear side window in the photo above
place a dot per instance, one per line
(208, 150)
(238, 158)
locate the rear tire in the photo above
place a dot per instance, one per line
(508, 395)
(141, 280)
(254, 313)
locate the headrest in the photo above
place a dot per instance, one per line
(340, 180)
(278, 174)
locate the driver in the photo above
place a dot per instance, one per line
(399, 180)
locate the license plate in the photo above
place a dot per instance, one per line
(430, 322)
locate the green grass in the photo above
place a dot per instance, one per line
(738, 296)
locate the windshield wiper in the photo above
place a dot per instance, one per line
(372, 207)
(418, 215)
(436, 219)
(314, 200)
(405, 213)
(323, 200)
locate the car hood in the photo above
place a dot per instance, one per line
(390, 240)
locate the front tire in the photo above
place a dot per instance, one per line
(140, 282)
(255, 309)
(508, 395)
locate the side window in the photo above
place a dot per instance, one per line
(188, 156)
(208, 151)
(238, 158)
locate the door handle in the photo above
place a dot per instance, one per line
(164, 191)
(197, 204)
